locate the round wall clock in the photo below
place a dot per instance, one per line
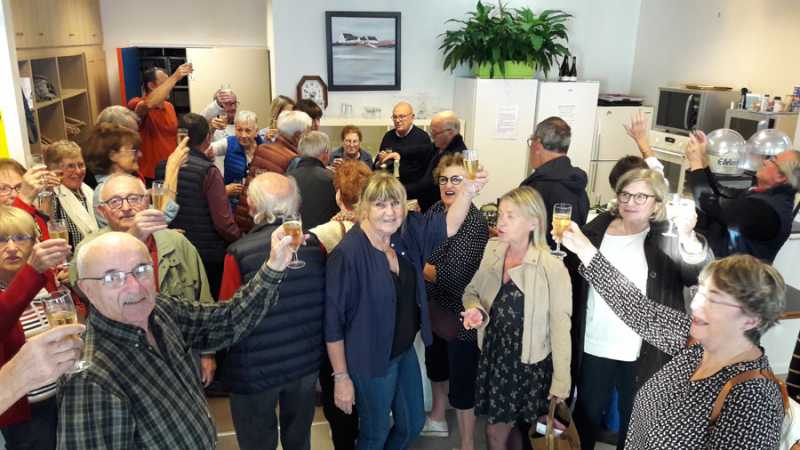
(311, 87)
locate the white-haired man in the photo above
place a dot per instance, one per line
(142, 389)
(315, 179)
(278, 363)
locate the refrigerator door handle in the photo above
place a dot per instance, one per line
(686, 112)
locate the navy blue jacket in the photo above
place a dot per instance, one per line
(236, 160)
(360, 295)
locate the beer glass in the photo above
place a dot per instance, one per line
(562, 216)
(158, 193)
(293, 226)
(60, 310)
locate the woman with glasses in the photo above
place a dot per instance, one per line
(451, 361)
(114, 149)
(683, 405)
(74, 199)
(24, 272)
(609, 354)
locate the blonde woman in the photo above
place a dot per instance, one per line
(279, 104)
(376, 303)
(520, 300)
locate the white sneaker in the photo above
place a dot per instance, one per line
(433, 428)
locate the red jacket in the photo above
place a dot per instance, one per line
(40, 223)
(13, 301)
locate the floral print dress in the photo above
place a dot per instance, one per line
(508, 390)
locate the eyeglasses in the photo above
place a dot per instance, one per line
(454, 180)
(16, 238)
(6, 189)
(132, 199)
(401, 116)
(73, 166)
(639, 198)
(116, 279)
(435, 133)
(695, 291)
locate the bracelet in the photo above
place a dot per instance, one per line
(340, 375)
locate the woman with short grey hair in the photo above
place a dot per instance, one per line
(718, 391)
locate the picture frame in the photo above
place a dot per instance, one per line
(363, 50)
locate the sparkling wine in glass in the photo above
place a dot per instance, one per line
(57, 228)
(293, 226)
(45, 202)
(158, 193)
(471, 163)
(562, 216)
(60, 310)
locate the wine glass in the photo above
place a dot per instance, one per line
(45, 203)
(562, 216)
(57, 229)
(673, 210)
(293, 226)
(471, 164)
(158, 193)
(60, 310)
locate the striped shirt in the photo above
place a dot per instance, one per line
(136, 397)
(34, 321)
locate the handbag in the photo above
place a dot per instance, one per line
(444, 322)
(568, 440)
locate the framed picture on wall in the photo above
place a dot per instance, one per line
(363, 50)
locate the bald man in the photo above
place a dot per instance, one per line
(447, 139)
(143, 389)
(409, 142)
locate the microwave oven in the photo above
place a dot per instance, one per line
(748, 122)
(680, 111)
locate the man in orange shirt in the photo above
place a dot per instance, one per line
(159, 123)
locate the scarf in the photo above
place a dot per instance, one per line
(83, 218)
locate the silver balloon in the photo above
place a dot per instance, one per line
(725, 149)
(761, 145)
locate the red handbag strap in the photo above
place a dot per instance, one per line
(741, 378)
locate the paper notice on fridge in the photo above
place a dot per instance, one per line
(507, 121)
(567, 112)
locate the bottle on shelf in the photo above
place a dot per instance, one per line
(563, 71)
(777, 105)
(573, 71)
(765, 103)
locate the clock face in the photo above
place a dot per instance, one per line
(312, 90)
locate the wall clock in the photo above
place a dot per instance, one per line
(311, 87)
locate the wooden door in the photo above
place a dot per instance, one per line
(248, 77)
(22, 13)
(98, 83)
(93, 28)
(67, 22)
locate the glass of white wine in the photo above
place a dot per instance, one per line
(60, 310)
(293, 226)
(158, 193)
(57, 229)
(562, 216)
(471, 163)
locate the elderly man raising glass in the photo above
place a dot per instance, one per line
(143, 388)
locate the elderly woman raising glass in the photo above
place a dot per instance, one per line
(376, 304)
(24, 271)
(351, 147)
(739, 298)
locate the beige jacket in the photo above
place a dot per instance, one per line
(548, 306)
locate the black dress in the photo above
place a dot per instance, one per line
(506, 389)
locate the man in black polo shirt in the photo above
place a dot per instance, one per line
(410, 142)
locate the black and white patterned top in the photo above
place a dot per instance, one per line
(670, 410)
(75, 234)
(456, 260)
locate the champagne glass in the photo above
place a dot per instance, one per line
(57, 228)
(673, 210)
(471, 164)
(60, 310)
(562, 216)
(182, 133)
(293, 226)
(158, 193)
(45, 202)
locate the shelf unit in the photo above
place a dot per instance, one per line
(168, 58)
(67, 74)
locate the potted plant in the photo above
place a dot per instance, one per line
(513, 42)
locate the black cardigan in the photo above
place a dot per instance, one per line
(667, 275)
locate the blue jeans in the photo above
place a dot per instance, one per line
(399, 391)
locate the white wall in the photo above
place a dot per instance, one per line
(11, 98)
(603, 36)
(184, 23)
(727, 42)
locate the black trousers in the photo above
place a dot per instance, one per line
(39, 433)
(214, 273)
(599, 377)
(344, 427)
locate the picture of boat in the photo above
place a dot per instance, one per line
(362, 41)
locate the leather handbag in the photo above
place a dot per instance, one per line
(568, 440)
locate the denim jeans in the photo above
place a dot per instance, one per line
(399, 391)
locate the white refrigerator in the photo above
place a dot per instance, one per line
(611, 142)
(576, 103)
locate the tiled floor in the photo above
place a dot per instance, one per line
(320, 437)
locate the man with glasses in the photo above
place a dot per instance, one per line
(143, 388)
(408, 143)
(554, 176)
(756, 221)
(225, 103)
(447, 139)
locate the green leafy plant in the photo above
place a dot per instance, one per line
(497, 34)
